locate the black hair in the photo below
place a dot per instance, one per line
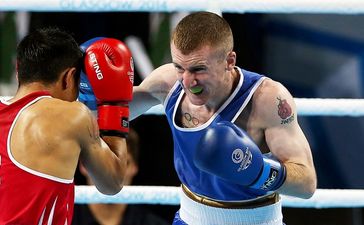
(44, 53)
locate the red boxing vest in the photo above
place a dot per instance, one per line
(28, 196)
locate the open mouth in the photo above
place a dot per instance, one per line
(196, 90)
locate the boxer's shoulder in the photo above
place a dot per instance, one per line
(272, 104)
(54, 113)
(50, 107)
(161, 80)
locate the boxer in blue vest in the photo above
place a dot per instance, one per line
(237, 141)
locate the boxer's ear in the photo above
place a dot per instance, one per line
(230, 61)
(68, 78)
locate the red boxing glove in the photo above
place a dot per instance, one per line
(110, 70)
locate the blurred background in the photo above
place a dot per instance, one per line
(313, 55)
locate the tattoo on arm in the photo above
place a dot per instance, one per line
(285, 111)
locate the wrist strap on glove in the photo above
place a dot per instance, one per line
(113, 119)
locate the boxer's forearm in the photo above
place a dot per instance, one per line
(300, 181)
(142, 102)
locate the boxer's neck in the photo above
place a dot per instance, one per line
(30, 88)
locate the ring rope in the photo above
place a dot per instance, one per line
(170, 195)
(312, 107)
(232, 6)
(305, 107)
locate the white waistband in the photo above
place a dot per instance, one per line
(194, 213)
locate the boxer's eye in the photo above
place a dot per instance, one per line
(179, 68)
(198, 69)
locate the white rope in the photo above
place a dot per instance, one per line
(235, 6)
(168, 195)
(328, 198)
(305, 107)
(130, 194)
(330, 107)
(313, 107)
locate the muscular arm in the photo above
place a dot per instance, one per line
(153, 90)
(285, 139)
(104, 158)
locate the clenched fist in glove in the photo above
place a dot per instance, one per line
(228, 152)
(108, 66)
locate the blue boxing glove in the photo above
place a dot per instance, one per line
(226, 151)
(86, 94)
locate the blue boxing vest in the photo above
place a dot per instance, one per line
(186, 139)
